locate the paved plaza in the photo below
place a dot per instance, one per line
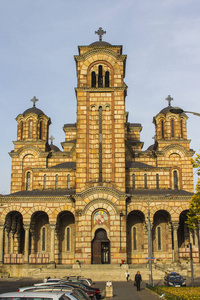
(122, 289)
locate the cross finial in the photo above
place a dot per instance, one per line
(169, 99)
(51, 139)
(34, 100)
(100, 32)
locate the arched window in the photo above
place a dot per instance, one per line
(162, 129)
(133, 181)
(107, 80)
(157, 181)
(145, 181)
(134, 238)
(45, 181)
(28, 181)
(41, 130)
(181, 125)
(68, 181)
(30, 132)
(21, 130)
(68, 238)
(43, 240)
(172, 127)
(56, 181)
(159, 237)
(93, 79)
(175, 174)
(100, 77)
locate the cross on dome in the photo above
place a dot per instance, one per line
(169, 99)
(100, 32)
(34, 100)
(51, 139)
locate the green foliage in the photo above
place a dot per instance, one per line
(194, 208)
(173, 293)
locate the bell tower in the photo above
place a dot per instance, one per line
(101, 93)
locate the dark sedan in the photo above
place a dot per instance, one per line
(174, 279)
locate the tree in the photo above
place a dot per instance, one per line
(194, 208)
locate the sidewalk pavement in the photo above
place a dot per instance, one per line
(124, 290)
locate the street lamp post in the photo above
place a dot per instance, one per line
(178, 110)
(149, 248)
(191, 265)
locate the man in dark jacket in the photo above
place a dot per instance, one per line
(138, 279)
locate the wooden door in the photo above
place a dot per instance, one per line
(100, 248)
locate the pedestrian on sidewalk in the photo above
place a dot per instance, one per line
(127, 274)
(138, 279)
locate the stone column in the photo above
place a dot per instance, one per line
(191, 239)
(52, 255)
(12, 241)
(196, 238)
(26, 244)
(175, 236)
(170, 239)
(33, 240)
(1, 243)
(7, 240)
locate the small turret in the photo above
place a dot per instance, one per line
(33, 124)
(169, 126)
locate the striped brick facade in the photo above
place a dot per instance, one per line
(90, 202)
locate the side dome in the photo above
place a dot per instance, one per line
(100, 43)
(54, 148)
(165, 110)
(33, 110)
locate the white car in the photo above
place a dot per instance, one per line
(34, 296)
(49, 288)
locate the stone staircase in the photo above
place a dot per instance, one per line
(97, 272)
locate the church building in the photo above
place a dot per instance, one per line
(102, 199)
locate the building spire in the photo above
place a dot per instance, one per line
(100, 32)
(34, 100)
(169, 99)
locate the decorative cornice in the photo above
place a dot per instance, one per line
(100, 189)
(104, 89)
(99, 201)
(28, 148)
(34, 199)
(101, 50)
(175, 147)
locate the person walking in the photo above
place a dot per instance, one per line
(138, 279)
(127, 274)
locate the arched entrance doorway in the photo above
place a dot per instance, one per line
(100, 248)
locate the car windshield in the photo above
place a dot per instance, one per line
(175, 277)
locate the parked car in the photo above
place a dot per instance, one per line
(80, 284)
(174, 279)
(31, 296)
(90, 292)
(51, 288)
(84, 280)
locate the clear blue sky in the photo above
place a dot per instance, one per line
(38, 39)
